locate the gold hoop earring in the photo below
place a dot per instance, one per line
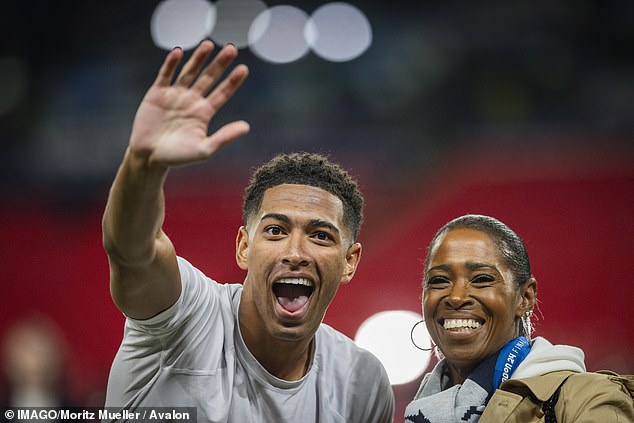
(411, 337)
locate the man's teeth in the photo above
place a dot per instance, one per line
(296, 281)
(461, 323)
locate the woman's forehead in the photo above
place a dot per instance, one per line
(465, 244)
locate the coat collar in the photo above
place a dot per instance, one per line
(542, 387)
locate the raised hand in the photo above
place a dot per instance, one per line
(171, 124)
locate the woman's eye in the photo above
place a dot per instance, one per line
(438, 282)
(483, 279)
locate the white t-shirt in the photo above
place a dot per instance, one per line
(192, 355)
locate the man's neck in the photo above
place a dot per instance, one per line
(286, 366)
(286, 360)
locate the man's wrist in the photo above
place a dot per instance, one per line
(142, 161)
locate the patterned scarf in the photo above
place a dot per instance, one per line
(438, 402)
(459, 403)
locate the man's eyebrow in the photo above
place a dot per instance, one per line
(276, 216)
(318, 223)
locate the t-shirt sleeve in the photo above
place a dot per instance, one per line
(372, 392)
(198, 293)
(186, 337)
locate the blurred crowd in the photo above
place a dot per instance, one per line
(37, 367)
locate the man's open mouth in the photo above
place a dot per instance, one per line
(293, 293)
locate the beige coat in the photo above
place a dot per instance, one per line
(583, 398)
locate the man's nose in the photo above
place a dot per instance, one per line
(295, 253)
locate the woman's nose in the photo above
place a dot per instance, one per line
(459, 295)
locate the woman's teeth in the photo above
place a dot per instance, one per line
(461, 323)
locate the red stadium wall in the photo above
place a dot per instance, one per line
(576, 223)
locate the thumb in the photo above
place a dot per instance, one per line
(225, 135)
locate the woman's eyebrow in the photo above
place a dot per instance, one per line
(444, 267)
(476, 266)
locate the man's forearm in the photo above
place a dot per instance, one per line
(135, 211)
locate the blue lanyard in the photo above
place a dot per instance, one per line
(511, 355)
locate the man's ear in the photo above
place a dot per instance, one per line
(353, 256)
(528, 297)
(242, 248)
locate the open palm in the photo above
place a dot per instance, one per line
(170, 127)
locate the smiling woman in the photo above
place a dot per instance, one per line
(478, 298)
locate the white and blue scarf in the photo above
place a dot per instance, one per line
(438, 402)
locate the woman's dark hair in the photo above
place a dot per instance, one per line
(508, 242)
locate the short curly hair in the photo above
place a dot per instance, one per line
(306, 169)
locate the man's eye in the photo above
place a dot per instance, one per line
(322, 236)
(273, 230)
